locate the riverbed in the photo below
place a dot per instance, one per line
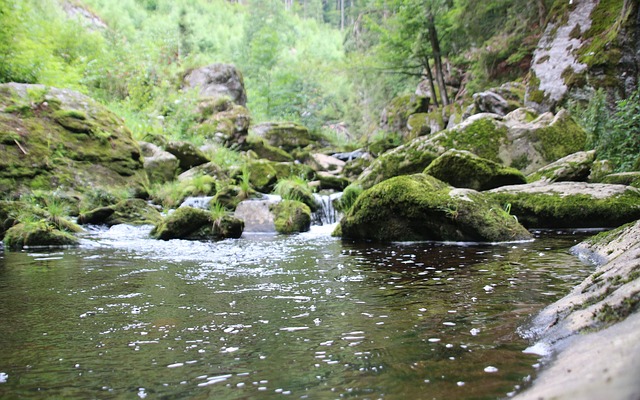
(270, 316)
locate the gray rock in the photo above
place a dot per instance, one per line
(218, 81)
(161, 166)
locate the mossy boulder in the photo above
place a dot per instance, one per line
(288, 169)
(396, 114)
(187, 153)
(291, 216)
(297, 189)
(262, 175)
(195, 223)
(287, 135)
(37, 234)
(228, 127)
(623, 178)
(421, 207)
(130, 211)
(574, 167)
(266, 151)
(330, 181)
(463, 169)
(570, 204)
(161, 166)
(52, 138)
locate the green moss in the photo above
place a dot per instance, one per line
(571, 211)
(420, 207)
(37, 234)
(182, 223)
(405, 160)
(294, 188)
(561, 138)
(601, 45)
(608, 315)
(482, 137)
(263, 175)
(464, 169)
(291, 216)
(266, 151)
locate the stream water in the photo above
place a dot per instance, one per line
(270, 316)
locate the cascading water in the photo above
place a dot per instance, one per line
(326, 213)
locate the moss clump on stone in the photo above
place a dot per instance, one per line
(39, 233)
(130, 211)
(194, 223)
(294, 188)
(562, 137)
(546, 210)
(420, 207)
(464, 169)
(482, 137)
(291, 216)
(262, 175)
(266, 151)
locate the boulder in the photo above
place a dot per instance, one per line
(501, 100)
(217, 81)
(291, 216)
(623, 178)
(228, 127)
(262, 175)
(463, 169)
(396, 114)
(286, 135)
(330, 181)
(187, 153)
(574, 167)
(421, 207)
(210, 169)
(130, 211)
(161, 166)
(257, 215)
(52, 138)
(265, 150)
(37, 234)
(323, 162)
(296, 189)
(570, 204)
(194, 223)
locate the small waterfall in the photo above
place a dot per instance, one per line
(197, 202)
(326, 213)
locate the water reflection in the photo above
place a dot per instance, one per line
(304, 316)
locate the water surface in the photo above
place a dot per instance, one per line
(268, 316)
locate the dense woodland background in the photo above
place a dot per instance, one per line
(331, 65)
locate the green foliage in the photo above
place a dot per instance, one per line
(296, 188)
(613, 133)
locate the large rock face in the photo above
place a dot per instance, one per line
(52, 138)
(587, 44)
(571, 204)
(420, 207)
(218, 81)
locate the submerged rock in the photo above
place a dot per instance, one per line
(420, 207)
(130, 211)
(194, 223)
(570, 204)
(464, 169)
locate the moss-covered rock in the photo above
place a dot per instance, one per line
(266, 151)
(130, 211)
(574, 167)
(570, 204)
(262, 175)
(228, 127)
(420, 207)
(195, 223)
(161, 166)
(287, 135)
(291, 216)
(187, 153)
(397, 113)
(296, 189)
(52, 138)
(37, 234)
(287, 169)
(623, 178)
(464, 169)
(332, 182)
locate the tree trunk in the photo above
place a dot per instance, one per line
(427, 67)
(435, 47)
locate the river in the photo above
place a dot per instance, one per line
(271, 316)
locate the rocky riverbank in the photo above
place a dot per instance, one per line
(593, 333)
